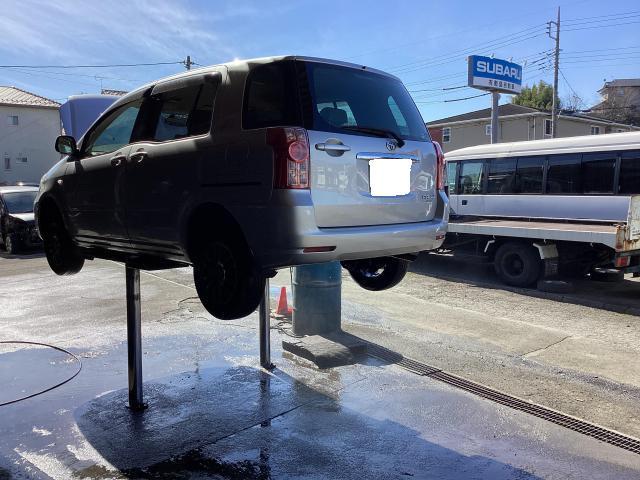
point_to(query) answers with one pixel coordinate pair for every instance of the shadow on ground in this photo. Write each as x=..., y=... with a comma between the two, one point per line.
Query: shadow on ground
x=243, y=423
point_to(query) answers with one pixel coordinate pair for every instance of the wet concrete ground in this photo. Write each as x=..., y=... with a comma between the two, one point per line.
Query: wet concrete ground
x=213, y=413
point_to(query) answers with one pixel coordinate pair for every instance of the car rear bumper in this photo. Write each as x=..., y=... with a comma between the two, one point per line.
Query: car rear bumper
x=280, y=236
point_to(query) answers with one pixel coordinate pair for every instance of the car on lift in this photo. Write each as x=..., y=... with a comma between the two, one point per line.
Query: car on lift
x=246, y=167
x=17, y=224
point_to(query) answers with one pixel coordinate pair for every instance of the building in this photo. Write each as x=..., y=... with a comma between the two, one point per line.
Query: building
x=29, y=125
x=620, y=101
x=516, y=123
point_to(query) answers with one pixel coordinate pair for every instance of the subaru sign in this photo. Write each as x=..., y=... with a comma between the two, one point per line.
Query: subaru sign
x=495, y=75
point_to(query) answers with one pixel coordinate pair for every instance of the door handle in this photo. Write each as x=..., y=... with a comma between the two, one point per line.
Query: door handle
x=138, y=157
x=464, y=202
x=332, y=147
x=117, y=160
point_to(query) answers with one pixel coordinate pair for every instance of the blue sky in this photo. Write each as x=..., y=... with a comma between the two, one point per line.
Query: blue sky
x=424, y=42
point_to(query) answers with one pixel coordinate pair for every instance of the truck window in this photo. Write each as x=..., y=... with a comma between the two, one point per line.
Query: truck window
x=471, y=178
x=451, y=176
x=630, y=172
x=598, y=170
x=502, y=176
x=530, y=171
x=563, y=175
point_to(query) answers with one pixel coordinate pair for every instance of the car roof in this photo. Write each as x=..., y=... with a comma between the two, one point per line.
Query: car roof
x=17, y=188
x=245, y=64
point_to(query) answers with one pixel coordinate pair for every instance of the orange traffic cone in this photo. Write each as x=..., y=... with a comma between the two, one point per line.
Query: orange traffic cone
x=283, y=307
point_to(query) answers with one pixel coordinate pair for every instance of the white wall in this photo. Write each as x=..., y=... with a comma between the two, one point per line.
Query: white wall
x=33, y=138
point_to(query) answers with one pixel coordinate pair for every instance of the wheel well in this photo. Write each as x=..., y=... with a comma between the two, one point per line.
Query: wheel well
x=211, y=221
x=47, y=207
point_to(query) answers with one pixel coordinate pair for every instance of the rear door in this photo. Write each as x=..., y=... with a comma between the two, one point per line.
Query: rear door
x=357, y=177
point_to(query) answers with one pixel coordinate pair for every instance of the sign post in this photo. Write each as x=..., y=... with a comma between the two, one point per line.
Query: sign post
x=496, y=76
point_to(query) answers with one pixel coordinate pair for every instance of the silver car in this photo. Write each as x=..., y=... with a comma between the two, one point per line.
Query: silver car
x=245, y=167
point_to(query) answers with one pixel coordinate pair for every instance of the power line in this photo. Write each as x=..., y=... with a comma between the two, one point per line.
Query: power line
x=95, y=66
x=601, y=17
x=600, y=26
x=438, y=89
x=456, y=99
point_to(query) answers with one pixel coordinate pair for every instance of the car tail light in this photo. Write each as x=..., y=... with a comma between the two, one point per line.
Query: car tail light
x=290, y=157
x=622, y=261
x=439, y=167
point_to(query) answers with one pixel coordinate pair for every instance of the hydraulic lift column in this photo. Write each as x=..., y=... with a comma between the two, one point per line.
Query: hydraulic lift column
x=265, y=330
x=134, y=339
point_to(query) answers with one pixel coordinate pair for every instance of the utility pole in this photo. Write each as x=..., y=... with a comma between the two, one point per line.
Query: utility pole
x=187, y=62
x=495, y=126
x=556, y=68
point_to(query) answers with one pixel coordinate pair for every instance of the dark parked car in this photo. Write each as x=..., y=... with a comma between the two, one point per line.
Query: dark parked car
x=242, y=168
x=17, y=225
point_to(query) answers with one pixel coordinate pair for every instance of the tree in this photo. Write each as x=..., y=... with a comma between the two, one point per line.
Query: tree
x=618, y=109
x=537, y=96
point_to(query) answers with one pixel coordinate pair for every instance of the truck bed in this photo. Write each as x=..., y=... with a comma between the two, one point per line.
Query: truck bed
x=612, y=235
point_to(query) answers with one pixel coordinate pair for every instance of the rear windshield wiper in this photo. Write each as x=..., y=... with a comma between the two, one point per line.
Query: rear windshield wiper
x=381, y=132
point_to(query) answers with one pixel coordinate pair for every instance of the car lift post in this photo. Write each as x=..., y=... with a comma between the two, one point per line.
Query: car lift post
x=265, y=330
x=134, y=339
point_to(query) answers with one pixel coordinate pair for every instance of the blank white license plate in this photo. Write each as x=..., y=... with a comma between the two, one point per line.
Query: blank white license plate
x=390, y=177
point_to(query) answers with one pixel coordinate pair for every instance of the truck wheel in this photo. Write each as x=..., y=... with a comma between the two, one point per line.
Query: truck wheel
x=12, y=244
x=517, y=264
x=610, y=275
x=377, y=274
x=228, y=284
x=63, y=256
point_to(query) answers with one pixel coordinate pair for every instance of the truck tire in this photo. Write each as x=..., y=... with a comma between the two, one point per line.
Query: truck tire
x=228, y=284
x=63, y=256
x=609, y=275
x=517, y=264
x=377, y=274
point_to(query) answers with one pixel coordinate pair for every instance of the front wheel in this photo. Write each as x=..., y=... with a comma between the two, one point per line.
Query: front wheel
x=12, y=244
x=228, y=284
x=63, y=256
x=377, y=274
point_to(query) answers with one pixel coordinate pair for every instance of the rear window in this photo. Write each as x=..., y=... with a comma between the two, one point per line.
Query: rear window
x=343, y=96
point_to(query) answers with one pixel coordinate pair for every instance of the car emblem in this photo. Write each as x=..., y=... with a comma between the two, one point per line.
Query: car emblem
x=391, y=145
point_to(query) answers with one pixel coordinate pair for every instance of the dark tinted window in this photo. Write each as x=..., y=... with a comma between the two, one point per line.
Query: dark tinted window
x=502, y=176
x=271, y=97
x=113, y=131
x=598, y=170
x=471, y=178
x=563, y=175
x=347, y=97
x=20, y=202
x=183, y=113
x=630, y=172
x=530, y=170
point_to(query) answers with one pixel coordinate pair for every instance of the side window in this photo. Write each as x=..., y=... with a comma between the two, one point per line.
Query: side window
x=630, y=172
x=530, y=173
x=451, y=176
x=471, y=178
x=502, y=176
x=598, y=170
x=270, y=97
x=184, y=112
x=563, y=175
x=114, y=131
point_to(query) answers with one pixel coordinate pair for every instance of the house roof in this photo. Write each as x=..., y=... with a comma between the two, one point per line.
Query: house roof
x=503, y=111
x=17, y=96
x=621, y=82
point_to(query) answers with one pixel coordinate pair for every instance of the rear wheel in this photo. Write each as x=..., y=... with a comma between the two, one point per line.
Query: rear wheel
x=377, y=273
x=63, y=256
x=610, y=275
x=517, y=264
x=12, y=244
x=228, y=284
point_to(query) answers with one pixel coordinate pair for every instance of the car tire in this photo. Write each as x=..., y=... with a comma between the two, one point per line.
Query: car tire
x=377, y=274
x=227, y=282
x=63, y=256
x=12, y=244
x=517, y=264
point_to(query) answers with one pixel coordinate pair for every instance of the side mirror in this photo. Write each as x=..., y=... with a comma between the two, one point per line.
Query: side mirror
x=66, y=145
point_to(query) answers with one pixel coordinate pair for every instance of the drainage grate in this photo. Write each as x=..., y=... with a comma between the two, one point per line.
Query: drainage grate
x=600, y=433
